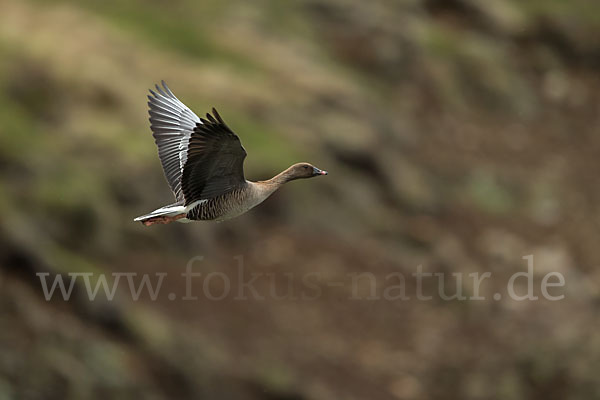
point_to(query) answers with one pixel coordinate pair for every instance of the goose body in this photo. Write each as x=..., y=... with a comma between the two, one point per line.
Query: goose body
x=230, y=204
x=203, y=162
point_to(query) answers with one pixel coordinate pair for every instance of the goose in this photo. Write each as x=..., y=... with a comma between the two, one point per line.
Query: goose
x=203, y=162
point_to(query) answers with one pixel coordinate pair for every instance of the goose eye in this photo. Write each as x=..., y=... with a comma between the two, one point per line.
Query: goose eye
x=305, y=167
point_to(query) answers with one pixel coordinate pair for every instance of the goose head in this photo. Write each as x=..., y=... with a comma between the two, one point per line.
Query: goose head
x=304, y=170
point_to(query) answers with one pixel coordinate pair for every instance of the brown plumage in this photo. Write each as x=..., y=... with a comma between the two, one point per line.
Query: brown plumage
x=203, y=161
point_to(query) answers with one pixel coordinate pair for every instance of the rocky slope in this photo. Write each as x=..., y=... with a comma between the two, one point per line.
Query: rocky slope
x=459, y=135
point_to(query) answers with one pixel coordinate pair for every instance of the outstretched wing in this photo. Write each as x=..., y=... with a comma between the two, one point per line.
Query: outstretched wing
x=215, y=160
x=172, y=125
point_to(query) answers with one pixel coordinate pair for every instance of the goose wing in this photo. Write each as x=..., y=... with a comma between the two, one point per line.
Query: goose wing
x=172, y=125
x=215, y=160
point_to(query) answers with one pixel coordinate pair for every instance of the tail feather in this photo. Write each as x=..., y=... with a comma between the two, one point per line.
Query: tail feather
x=168, y=211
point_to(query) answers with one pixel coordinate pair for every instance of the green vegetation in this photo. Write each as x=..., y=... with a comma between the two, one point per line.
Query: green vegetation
x=458, y=135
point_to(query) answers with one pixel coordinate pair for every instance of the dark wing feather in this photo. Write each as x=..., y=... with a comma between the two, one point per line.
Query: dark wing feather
x=172, y=125
x=215, y=160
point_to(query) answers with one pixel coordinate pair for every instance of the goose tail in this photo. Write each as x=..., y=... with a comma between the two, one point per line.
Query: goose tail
x=163, y=215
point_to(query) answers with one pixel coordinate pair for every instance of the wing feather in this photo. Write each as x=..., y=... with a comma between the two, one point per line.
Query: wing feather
x=215, y=160
x=172, y=124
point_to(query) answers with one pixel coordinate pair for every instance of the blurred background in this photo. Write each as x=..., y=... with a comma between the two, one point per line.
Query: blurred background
x=460, y=135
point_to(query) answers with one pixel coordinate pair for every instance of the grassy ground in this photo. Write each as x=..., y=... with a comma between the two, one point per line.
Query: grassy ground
x=458, y=135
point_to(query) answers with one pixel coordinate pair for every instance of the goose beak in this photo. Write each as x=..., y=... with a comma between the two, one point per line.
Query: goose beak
x=317, y=171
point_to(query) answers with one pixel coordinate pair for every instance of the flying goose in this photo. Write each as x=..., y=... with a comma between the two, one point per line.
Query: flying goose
x=203, y=161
